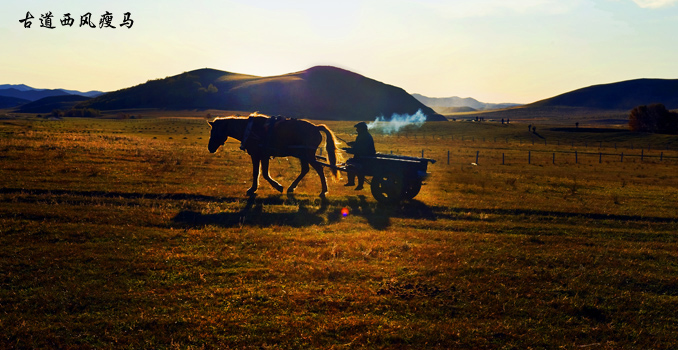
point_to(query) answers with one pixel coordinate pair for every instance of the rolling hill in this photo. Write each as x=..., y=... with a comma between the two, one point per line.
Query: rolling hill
x=9, y=102
x=48, y=104
x=321, y=92
x=623, y=95
x=597, y=104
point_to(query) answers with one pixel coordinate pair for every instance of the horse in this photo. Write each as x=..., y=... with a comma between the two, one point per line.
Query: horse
x=263, y=137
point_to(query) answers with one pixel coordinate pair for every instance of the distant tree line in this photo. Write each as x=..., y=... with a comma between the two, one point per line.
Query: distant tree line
x=653, y=118
x=77, y=113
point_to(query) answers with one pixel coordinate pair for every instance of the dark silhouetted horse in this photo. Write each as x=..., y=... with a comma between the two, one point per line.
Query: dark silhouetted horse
x=264, y=137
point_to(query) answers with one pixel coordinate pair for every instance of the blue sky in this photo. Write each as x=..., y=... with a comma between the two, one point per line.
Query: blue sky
x=492, y=50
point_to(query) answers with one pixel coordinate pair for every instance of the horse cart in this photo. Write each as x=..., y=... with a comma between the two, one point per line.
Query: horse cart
x=394, y=178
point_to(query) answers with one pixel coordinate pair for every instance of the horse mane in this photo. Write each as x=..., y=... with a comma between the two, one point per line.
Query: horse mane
x=237, y=116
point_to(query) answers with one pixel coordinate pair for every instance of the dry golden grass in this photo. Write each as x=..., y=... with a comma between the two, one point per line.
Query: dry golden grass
x=129, y=234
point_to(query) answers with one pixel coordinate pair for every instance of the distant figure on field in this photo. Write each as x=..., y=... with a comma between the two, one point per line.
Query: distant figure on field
x=363, y=146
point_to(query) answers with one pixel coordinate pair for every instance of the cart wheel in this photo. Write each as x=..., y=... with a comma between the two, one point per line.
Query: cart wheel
x=412, y=189
x=387, y=188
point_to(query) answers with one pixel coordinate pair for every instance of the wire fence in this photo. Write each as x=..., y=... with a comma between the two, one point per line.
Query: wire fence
x=487, y=154
x=539, y=141
x=517, y=150
x=554, y=157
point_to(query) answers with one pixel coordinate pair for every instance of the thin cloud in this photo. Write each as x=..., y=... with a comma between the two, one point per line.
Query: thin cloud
x=655, y=4
x=484, y=8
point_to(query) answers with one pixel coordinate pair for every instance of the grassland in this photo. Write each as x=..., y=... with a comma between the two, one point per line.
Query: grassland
x=129, y=234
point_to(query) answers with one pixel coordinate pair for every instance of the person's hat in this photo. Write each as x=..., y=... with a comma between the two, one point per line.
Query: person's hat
x=361, y=125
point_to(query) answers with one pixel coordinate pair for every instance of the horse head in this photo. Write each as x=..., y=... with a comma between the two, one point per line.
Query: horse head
x=218, y=135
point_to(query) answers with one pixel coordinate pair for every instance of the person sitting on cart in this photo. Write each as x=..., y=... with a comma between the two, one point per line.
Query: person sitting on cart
x=363, y=146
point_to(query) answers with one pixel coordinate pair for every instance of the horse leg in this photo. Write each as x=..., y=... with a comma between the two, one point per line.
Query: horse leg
x=267, y=176
x=304, y=171
x=319, y=169
x=255, y=176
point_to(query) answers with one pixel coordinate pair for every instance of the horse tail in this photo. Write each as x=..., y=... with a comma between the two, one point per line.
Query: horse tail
x=331, y=147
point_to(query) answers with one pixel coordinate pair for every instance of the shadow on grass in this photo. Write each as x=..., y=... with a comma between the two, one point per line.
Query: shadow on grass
x=278, y=210
x=255, y=213
x=261, y=212
x=379, y=215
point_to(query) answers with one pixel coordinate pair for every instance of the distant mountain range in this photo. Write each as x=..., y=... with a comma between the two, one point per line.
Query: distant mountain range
x=20, y=94
x=331, y=93
x=459, y=104
x=32, y=94
x=321, y=92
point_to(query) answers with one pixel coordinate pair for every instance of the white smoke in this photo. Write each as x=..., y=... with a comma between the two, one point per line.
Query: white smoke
x=397, y=122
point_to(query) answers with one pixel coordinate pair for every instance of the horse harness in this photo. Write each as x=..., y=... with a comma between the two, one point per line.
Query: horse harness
x=248, y=130
x=264, y=134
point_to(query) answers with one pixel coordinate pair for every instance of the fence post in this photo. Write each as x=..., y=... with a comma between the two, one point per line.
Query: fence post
x=502, y=159
x=554, y=157
x=422, y=153
x=576, y=160
x=448, y=157
x=529, y=157
x=600, y=159
x=641, y=155
x=622, y=157
x=477, y=152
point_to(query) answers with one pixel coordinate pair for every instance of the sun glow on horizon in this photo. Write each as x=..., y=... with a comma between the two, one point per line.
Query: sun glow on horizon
x=492, y=50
